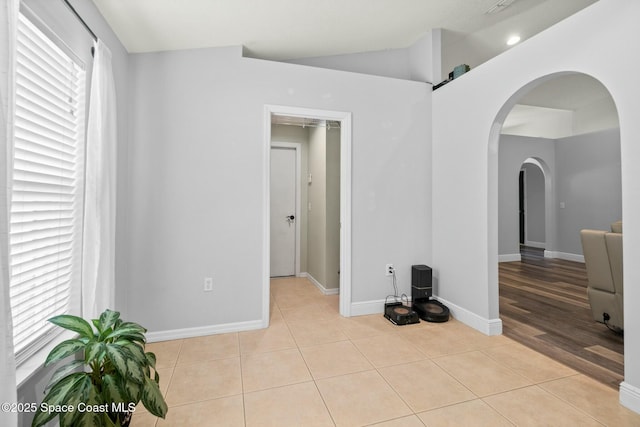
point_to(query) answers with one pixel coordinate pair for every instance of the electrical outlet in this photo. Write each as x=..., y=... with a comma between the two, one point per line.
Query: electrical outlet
x=388, y=270
x=208, y=284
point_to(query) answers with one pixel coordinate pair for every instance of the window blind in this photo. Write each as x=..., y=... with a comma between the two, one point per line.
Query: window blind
x=46, y=205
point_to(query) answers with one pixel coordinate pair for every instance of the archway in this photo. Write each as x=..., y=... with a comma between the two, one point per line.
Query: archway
x=562, y=177
x=534, y=209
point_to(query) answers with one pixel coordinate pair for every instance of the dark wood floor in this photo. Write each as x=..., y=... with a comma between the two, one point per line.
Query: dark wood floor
x=544, y=305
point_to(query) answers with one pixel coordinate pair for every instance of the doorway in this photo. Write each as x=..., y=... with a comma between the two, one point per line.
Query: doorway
x=342, y=219
x=532, y=209
x=543, y=301
x=521, y=207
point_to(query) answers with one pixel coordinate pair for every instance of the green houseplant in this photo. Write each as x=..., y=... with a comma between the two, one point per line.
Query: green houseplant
x=109, y=376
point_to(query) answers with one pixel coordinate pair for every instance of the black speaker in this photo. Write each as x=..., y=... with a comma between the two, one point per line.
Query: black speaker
x=421, y=282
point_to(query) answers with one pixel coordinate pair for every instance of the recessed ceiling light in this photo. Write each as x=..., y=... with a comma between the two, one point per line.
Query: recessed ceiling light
x=513, y=40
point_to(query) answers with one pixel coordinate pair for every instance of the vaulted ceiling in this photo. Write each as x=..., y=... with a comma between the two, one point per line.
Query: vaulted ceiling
x=293, y=29
x=288, y=29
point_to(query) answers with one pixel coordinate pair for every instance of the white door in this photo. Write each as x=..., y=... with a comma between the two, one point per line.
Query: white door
x=283, y=209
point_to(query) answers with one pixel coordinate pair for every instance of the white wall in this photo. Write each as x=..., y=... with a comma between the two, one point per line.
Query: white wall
x=387, y=63
x=411, y=63
x=595, y=116
x=589, y=176
x=481, y=100
x=317, y=231
x=196, y=199
x=333, y=209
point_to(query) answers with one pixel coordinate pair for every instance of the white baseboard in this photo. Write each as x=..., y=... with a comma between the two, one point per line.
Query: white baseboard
x=547, y=254
x=325, y=291
x=564, y=255
x=367, y=307
x=630, y=396
x=509, y=257
x=539, y=245
x=199, y=331
x=486, y=326
x=371, y=307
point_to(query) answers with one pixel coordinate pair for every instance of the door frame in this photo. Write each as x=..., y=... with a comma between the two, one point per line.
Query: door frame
x=345, y=200
x=298, y=149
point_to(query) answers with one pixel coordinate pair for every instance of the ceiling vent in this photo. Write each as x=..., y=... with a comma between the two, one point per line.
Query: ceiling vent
x=499, y=6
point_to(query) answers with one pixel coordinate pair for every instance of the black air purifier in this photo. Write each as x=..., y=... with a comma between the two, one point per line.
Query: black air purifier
x=427, y=308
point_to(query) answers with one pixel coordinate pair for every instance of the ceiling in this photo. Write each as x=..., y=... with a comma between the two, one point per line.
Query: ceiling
x=293, y=29
x=568, y=92
x=290, y=29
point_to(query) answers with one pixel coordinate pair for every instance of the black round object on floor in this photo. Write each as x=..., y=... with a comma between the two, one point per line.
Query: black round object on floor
x=432, y=310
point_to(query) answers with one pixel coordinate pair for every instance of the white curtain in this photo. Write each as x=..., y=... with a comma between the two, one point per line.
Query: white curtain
x=8, y=31
x=98, y=269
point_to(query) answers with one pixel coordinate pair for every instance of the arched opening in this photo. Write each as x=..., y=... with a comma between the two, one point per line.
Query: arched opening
x=566, y=126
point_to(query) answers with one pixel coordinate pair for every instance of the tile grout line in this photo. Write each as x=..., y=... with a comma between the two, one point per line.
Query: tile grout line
x=173, y=371
x=244, y=405
x=566, y=401
x=543, y=390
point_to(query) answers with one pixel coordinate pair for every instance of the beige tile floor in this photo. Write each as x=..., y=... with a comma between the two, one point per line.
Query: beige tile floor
x=312, y=367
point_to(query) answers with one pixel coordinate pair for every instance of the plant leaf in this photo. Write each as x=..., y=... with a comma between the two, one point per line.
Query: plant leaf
x=91, y=417
x=135, y=337
x=152, y=398
x=104, y=334
x=133, y=390
x=97, y=325
x=41, y=418
x=108, y=318
x=73, y=323
x=63, y=371
x=151, y=359
x=135, y=371
x=64, y=349
x=65, y=391
x=127, y=329
x=132, y=325
x=80, y=392
x=94, y=351
x=135, y=349
x=58, y=392
x=112, y=389
x=118, y=357
x=108, y=422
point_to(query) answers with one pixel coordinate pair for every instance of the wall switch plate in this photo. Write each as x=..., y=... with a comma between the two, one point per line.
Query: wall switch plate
x=208, y=284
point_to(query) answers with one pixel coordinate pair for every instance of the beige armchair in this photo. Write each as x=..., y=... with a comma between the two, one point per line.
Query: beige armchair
x=603, y=259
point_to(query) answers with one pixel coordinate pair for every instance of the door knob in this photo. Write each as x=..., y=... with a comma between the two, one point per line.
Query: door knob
x=290, y=217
